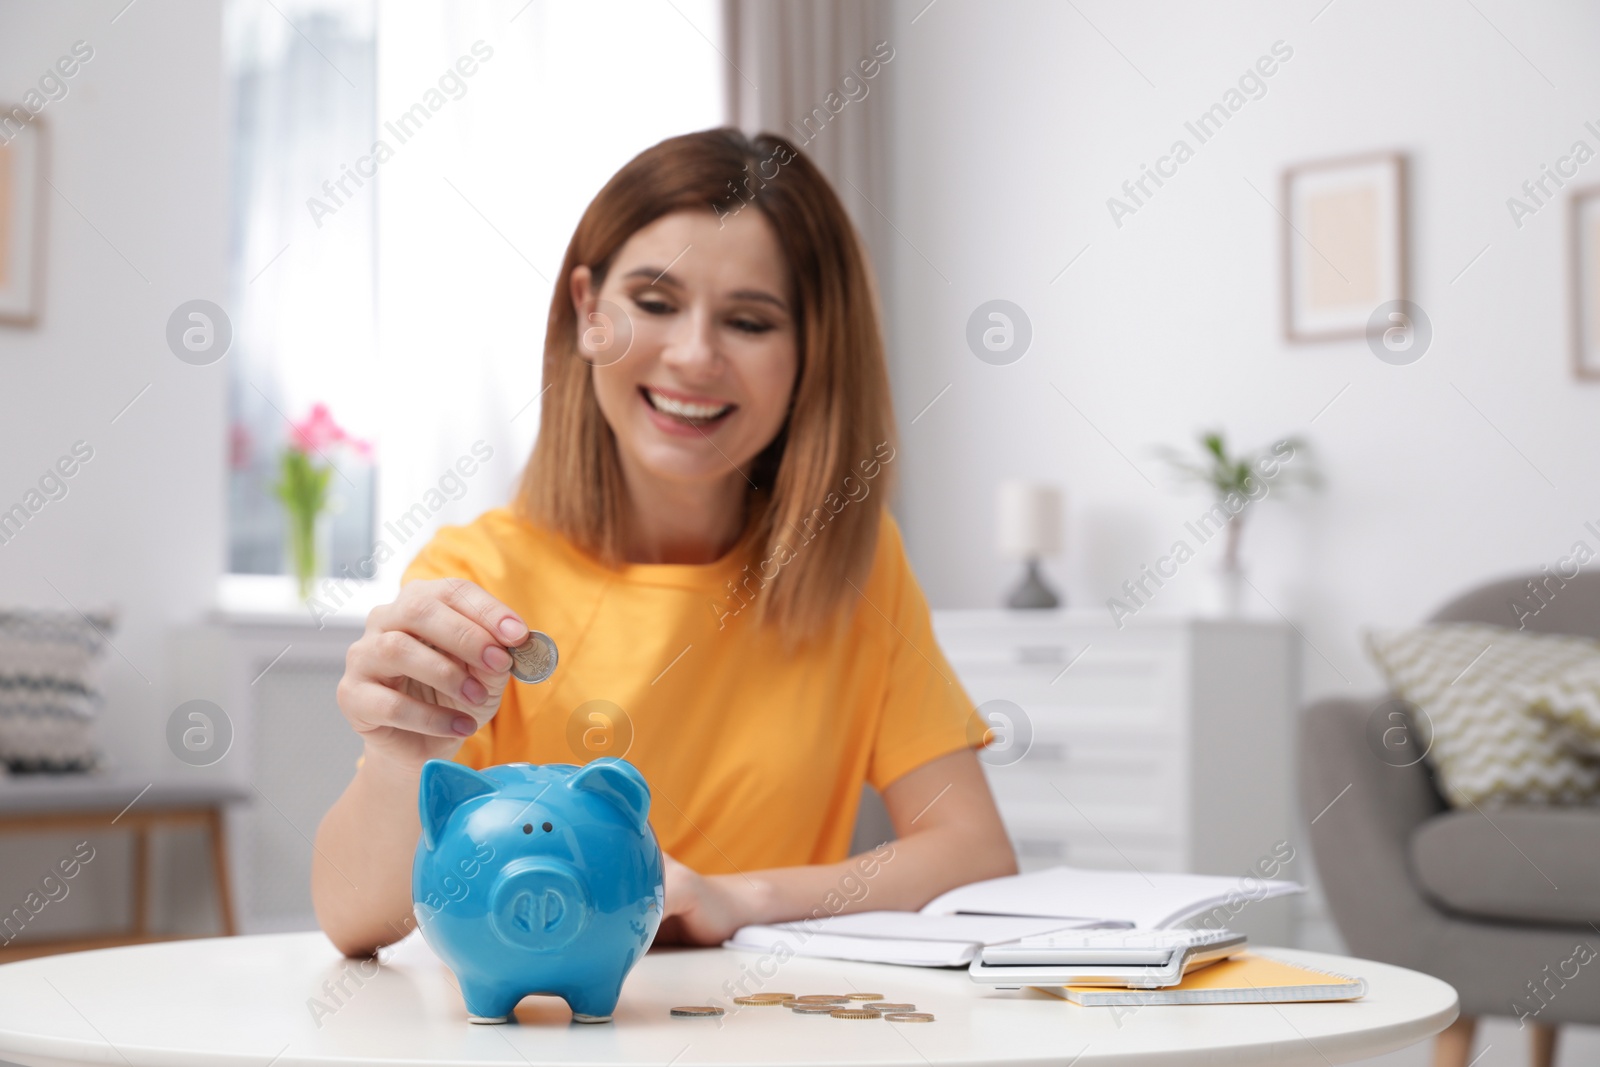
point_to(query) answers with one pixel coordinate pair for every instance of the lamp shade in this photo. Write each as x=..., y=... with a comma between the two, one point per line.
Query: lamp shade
x=1029, y=523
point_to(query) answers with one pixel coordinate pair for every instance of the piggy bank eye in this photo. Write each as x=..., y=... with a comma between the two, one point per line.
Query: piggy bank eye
x=547, y=827
x=527, y=827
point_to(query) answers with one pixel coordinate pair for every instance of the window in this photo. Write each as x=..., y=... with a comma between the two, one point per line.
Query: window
x=413, y=302
x=303, y=80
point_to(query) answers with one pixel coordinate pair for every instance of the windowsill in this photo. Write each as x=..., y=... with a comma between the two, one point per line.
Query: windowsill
x=274, y=600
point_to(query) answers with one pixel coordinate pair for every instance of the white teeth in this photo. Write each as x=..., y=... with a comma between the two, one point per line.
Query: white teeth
x=683, y=409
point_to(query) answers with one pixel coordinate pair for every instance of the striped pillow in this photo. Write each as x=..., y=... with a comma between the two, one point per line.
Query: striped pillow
x=47, y=696
x=1570, y=702
x=1472, y=682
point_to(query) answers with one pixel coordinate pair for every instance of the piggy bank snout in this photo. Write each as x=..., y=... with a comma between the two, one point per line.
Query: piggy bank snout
x=538, y=905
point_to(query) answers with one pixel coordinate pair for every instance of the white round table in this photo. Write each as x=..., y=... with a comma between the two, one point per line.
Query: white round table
x=276, y=1000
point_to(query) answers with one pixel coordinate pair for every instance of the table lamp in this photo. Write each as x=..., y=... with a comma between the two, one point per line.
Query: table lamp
x=1030, y=527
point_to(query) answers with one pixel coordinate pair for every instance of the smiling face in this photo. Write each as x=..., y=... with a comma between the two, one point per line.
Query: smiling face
x=737, y=334
x=706, y=381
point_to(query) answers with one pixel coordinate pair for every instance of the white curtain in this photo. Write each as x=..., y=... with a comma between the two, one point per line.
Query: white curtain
x=302, y=285
x=477, y=204
x=796, y=70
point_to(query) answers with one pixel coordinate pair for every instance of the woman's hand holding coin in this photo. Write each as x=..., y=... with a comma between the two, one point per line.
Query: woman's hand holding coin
x=430, y=669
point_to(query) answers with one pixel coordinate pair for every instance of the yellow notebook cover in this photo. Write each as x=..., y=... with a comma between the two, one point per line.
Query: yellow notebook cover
x=1244, y=979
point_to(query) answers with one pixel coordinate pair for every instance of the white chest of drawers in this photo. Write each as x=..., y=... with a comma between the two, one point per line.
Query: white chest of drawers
x=1162, y=746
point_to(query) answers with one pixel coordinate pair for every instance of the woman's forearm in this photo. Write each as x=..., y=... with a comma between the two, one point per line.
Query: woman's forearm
x=901, y=875
x=361, y=866
x=961, y=839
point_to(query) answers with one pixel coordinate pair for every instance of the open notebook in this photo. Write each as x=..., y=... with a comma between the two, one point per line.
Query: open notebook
x=951, y=928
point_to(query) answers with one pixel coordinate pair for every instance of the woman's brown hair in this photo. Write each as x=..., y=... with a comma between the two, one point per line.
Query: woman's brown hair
x=840, y=427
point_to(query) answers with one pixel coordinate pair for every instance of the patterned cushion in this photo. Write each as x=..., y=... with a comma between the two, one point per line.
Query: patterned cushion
x=1570, y=702
x=47, y=697
x=1471, y=681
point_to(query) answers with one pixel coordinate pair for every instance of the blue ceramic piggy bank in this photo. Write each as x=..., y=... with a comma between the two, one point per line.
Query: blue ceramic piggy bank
x=537, y=879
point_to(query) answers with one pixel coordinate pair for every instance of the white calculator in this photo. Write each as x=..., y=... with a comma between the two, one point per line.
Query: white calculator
x=1133, y=959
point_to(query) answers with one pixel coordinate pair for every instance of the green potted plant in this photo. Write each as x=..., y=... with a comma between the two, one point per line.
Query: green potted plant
x=1235, y=480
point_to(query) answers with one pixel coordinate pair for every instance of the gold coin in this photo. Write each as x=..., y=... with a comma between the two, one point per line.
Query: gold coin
x=697, y=1010
x=855, y=1013
x=884, y=1005
x=821, y=998
x=764, y=999
x=535, y=659
x=909, y=1016
x=814, y=1009
x=865, y=996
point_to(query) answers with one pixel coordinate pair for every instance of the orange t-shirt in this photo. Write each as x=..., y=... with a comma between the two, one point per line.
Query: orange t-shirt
x=755, y=756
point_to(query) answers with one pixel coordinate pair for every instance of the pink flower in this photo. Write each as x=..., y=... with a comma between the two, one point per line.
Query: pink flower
x=318, y=432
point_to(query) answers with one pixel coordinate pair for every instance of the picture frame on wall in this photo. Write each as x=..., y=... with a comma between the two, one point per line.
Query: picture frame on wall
x=1583, y=252
x=1344, y=244
x=22, y=186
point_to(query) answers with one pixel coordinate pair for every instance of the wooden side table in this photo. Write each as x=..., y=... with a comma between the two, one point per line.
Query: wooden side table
x=54, y=803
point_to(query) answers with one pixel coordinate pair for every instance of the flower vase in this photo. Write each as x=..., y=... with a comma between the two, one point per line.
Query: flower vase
x=1232, y=591
x=1231, y=584
x=308, y=544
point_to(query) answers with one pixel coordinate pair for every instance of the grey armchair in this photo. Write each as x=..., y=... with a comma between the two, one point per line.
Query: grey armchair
x=1504, y=904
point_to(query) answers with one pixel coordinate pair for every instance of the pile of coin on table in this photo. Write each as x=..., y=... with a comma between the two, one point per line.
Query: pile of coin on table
x=837, y=1006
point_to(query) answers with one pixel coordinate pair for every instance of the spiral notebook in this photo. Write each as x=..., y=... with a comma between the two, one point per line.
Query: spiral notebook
x=1248, y=978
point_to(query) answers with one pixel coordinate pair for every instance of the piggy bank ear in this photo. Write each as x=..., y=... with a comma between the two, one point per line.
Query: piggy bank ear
x=619, y=782
x=446, y=785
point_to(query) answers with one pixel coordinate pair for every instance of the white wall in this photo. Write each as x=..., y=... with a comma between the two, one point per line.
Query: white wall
x=1014, y=123
x=137, y=147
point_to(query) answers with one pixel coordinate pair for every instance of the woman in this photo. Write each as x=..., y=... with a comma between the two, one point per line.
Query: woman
x=701, y=530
